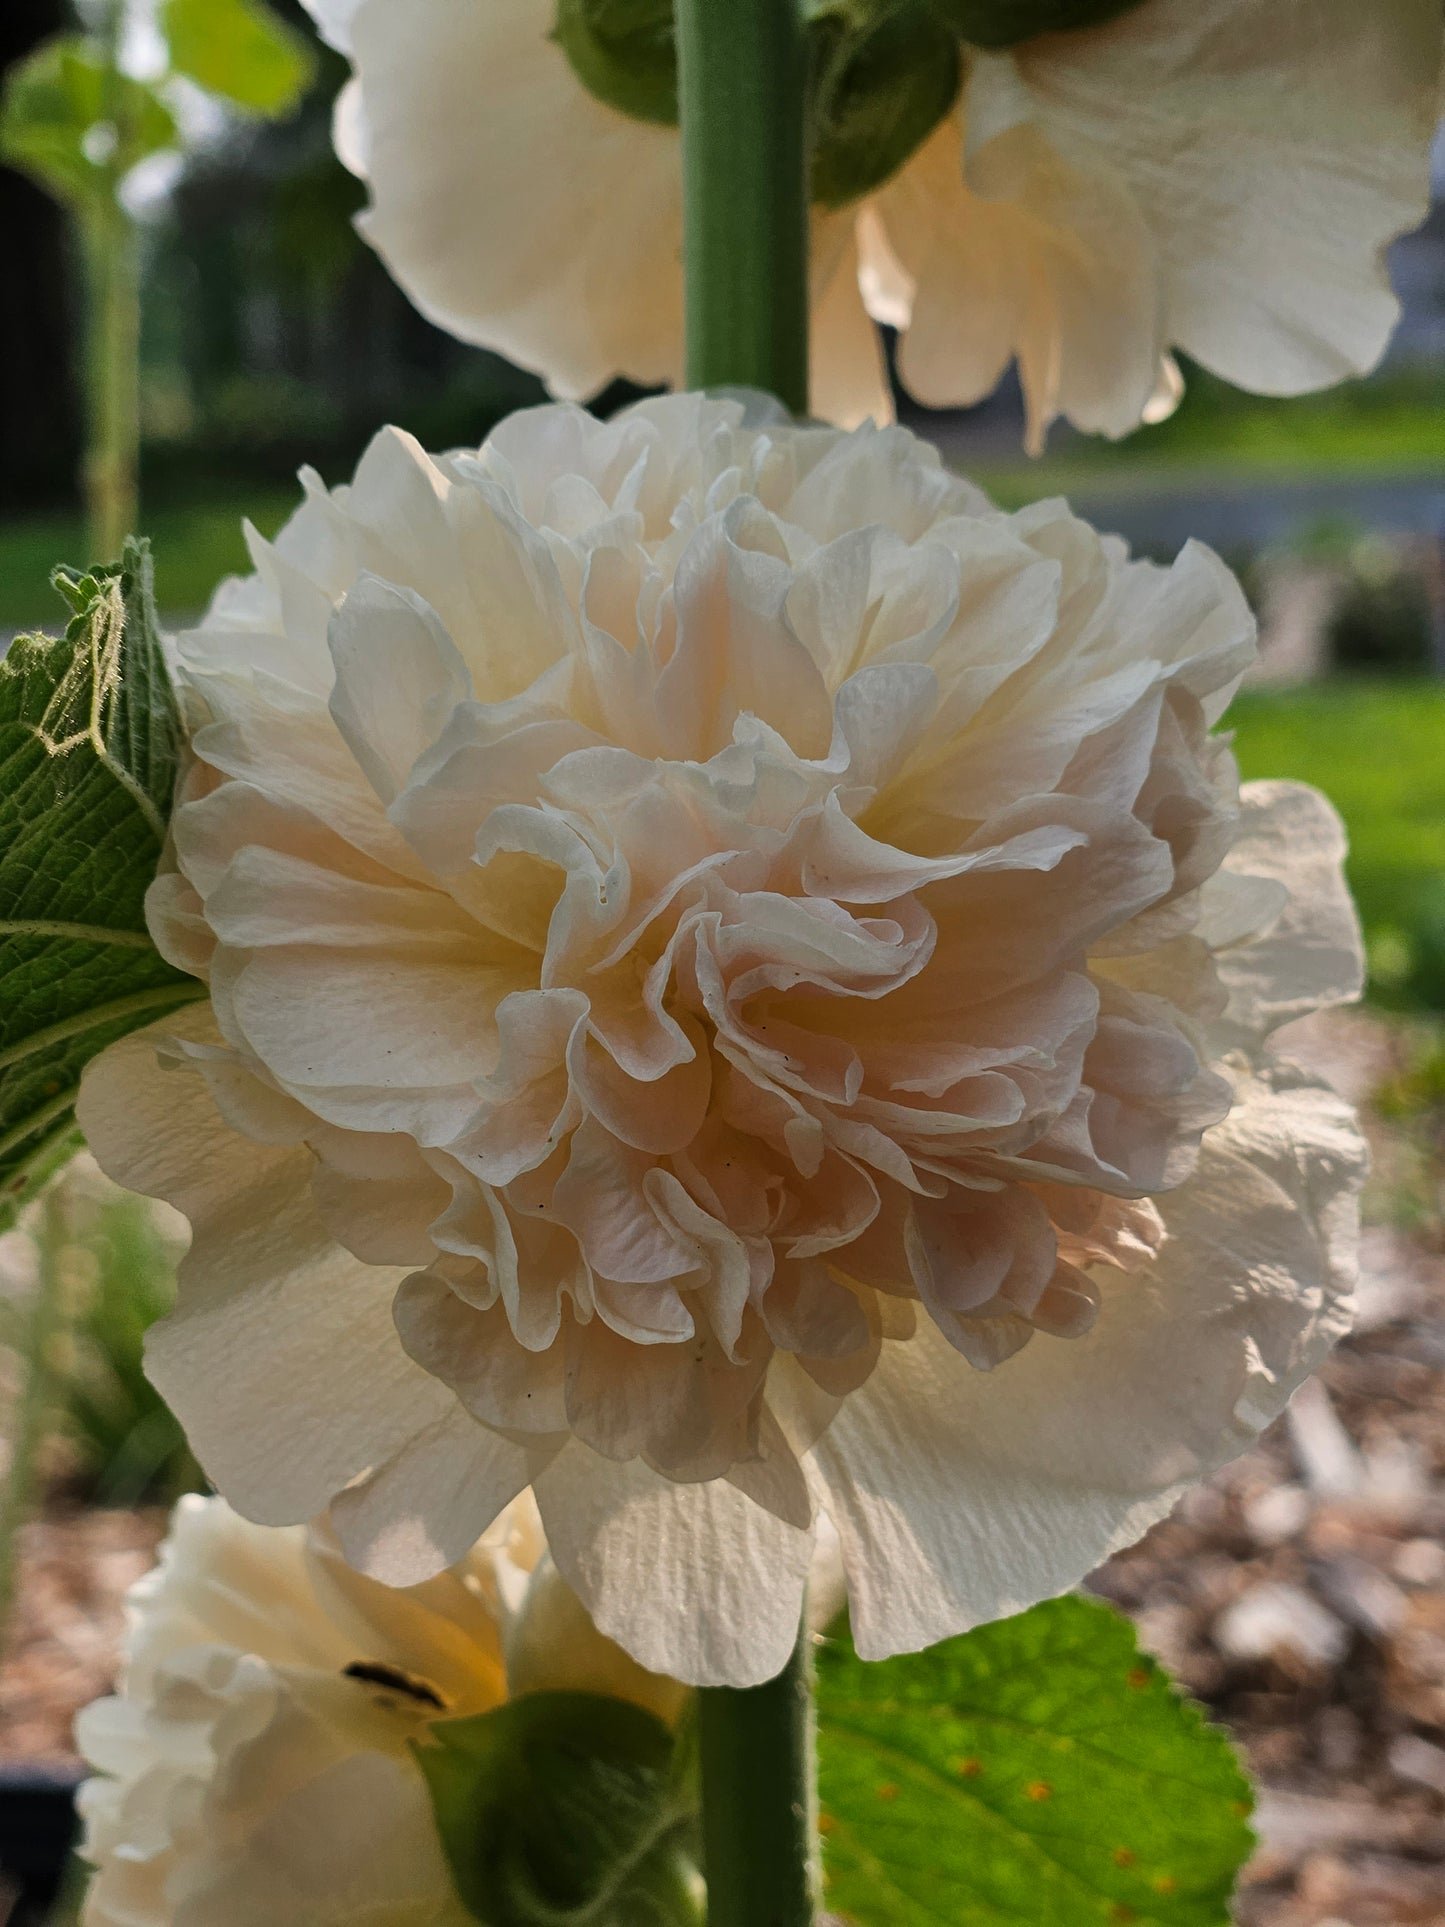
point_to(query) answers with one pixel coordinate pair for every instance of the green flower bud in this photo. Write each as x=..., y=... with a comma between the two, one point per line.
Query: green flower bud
x=885, y=74
x=882, y=87
x=1004, y=23
x=624, y=52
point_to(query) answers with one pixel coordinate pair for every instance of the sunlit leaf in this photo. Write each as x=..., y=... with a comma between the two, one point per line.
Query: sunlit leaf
x=75, y=126
x=240, y=50
x=1040, y=1770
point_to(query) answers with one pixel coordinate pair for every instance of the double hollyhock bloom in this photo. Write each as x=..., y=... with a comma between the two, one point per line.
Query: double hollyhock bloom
x=257, y=1764
x=737, y=982
x=1220, y=178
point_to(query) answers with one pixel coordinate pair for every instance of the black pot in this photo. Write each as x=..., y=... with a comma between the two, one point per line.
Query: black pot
x=37, y=1830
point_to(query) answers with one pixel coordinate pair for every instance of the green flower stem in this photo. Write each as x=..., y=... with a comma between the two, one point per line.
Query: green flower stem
x=742, y=78
x=112, y=458
x=113, y=322
x=759, y=1806
x=742, y=73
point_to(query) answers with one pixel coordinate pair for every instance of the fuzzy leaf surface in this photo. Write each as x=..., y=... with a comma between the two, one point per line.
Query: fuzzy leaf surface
x=1040, y=1769
x=564, y=1810
x=89, y=744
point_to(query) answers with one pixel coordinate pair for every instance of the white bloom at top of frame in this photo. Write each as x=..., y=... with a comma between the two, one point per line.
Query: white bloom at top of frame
x=1221, y=179
x=738, y=981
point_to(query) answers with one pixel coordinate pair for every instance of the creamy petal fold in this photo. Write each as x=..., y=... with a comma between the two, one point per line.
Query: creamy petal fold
x=741, y=1571
x=1308, y=954
x=961, y=1498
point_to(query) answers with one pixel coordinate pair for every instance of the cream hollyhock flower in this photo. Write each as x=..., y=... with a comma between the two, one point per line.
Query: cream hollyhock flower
x=256, y=1765
x=1220, y=178
x=723, y=951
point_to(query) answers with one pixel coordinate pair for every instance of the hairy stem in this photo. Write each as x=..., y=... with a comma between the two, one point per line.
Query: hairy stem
x=759, y=1822
x=113, y=318
x=742, y=97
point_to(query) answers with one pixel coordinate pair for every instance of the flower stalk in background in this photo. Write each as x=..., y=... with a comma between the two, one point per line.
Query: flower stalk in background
x=81, y=115
x=1220, y=179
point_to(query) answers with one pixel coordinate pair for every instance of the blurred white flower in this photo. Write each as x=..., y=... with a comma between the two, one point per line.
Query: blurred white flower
x=1218, y=178
x=723, y=950
x=256, y=1764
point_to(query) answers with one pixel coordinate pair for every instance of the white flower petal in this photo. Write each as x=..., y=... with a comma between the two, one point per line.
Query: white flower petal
x=281, y=1359
x=703, y=911
x=850, y=371
x=1309, y=954
x=962, y=1497
x=741, y=1572
x=426, y=1507
x=572, y=267
x=1276, y=149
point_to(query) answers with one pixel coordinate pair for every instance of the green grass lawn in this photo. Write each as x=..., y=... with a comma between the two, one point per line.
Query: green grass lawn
x=195, y=545
x=1377, y=749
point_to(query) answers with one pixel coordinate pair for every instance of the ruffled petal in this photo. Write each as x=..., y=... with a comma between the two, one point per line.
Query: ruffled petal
x=961, y=1497
x=1275, y=147
x=429, y=1504
x=1280, y=916
x=1224, y=180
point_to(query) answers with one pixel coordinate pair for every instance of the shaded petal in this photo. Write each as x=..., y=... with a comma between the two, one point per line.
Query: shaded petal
x=427, y=1507
x=1275, y=147
x=281, y=1359
x=570, y=262
x=1307, y=955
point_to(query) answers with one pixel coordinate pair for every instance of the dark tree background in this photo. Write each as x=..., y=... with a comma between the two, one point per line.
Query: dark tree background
x=39, y=416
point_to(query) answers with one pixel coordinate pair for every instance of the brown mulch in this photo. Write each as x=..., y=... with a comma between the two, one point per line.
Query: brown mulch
x=1301, y=1594
x=68, y=1623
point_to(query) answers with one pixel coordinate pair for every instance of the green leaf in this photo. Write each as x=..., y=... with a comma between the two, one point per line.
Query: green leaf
x=1037, y=1770
x=75, y=126
x=1004, y=23
x=89, y=744
x=240, y=50
x=624, y=52
x=564, y=1810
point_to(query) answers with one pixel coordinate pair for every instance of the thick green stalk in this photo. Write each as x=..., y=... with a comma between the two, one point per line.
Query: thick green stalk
x=758, y=1802
x=113, y=320
x=743, y=104
x=742, y=97
x=112, y=457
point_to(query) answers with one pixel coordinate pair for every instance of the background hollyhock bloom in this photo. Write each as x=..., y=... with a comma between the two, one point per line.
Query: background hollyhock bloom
x=722, y=952
x=1219, y=178
x=256, y=1765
